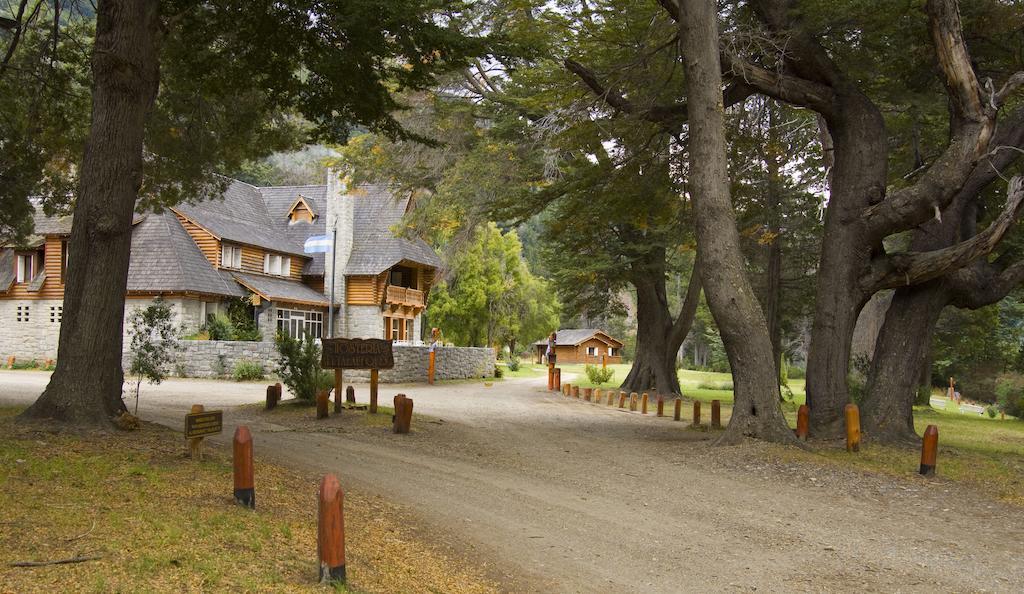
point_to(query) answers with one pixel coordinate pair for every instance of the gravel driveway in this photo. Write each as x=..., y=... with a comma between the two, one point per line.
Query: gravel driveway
x=561, y=495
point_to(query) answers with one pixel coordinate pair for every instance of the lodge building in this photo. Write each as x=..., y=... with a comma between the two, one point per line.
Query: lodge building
x=246, y=244
x=581, y=345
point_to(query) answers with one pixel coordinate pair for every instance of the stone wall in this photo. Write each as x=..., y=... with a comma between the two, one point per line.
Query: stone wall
x=210, y=358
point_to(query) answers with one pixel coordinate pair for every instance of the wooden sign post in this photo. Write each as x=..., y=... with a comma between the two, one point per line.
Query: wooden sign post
x=338, y=381
x=198, y=424
x=359, y=353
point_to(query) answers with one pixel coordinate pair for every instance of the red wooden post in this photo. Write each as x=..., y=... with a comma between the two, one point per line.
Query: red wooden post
x=321, y=404
x=271, y=397
x=195, y=445
x=716, y=414
x=643, y=404
x=350, y=394
x=622, y=399
x=280, y=391
x=337, y=390
x=558, y=378
x=402, y=421
x=431, y=368
x=929, y=450
x=632, y=401
x=241, y=448
x=803, y=422
x=661, y=405
x=852, y=427
x=551, y=377
x=696, y=413
x=611, y=397
x=588, y=394
x=679, y=409
x=330, y=541
x=575, y=391
x=604, y=361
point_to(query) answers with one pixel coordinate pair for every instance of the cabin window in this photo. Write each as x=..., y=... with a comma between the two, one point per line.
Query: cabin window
x=56, y=314
x=277, y=264
x=297, y=323
x=592, y=351
x=396, y=326
x=612, y=351
x=27, y=266
x=23, y=313
x=230, y=256
x=408, y=330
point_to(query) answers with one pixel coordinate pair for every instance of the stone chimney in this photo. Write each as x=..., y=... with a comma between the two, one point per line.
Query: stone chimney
x=340, y=214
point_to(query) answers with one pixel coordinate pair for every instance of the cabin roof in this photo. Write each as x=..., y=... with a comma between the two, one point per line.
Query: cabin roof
x=575, y=336
x=375, y=247
x=6, y=269
x=280, y=289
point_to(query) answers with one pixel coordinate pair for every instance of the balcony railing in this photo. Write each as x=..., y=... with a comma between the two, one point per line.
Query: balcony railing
x=404, y=296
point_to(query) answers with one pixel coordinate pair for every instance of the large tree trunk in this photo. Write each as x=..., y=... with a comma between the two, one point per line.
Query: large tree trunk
x=902, y=349
x=86, y=386
x=658, y=336
x=858, y=179
x=756, y=410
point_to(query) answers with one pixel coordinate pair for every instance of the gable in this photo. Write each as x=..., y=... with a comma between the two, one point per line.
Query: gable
x=301, y=210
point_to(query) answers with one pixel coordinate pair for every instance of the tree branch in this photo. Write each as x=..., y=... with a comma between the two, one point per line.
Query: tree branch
x=910, y=268
x=984, y=283
x=687, y=312
x=790, y=89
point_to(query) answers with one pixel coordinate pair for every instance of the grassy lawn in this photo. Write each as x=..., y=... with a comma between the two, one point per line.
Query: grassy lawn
x=161, y=523
x=525, y=370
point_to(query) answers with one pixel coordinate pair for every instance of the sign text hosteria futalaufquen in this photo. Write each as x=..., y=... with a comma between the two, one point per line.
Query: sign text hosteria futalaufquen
x=357, y=353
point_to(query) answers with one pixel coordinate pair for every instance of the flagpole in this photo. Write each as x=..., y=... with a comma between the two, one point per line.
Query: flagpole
x=334, y=265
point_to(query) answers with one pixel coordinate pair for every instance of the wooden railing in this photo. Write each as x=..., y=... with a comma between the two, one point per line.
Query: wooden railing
x=404, y=296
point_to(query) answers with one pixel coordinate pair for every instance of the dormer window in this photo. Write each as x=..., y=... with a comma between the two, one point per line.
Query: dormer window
x=230, y=256
x=301, y=211
x=26, y=267
x=277, y=264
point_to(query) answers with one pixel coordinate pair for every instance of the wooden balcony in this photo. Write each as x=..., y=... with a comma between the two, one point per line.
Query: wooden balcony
x=404, y=296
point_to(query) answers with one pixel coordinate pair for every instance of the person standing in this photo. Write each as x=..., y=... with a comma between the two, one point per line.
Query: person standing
x=551, y=350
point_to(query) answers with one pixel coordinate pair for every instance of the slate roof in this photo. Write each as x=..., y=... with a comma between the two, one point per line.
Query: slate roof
x=374, y=246
x=280, y=289
x=164, y=258
x=240, y=215
x=574, y=336
x=279, y=199
x=7, y=275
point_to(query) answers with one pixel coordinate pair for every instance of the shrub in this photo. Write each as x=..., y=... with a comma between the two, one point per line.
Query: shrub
x=991, y=412
x=33, y=364
x=498, y=373
x=513, y=364
x=1010, y=394
x=795, y=372
x=923, y=397
x=247, y=371
x=299, y=366
x=598, y=375
x=153, y=344
x=219, y=328
x=251, y=334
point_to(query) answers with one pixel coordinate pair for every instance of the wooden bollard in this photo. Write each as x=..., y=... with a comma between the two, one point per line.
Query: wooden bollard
x=575, y=391
x=716, y=414
x=622, y=400
x=280, y=391
x=852, y=427
x=271, y=397
x=678, y=409
x=10, y=362
x=321, y=404
x=551, y=378
x=661, y=405
x=330, y=531
x=611, y=397
x=350, y=394
x=565, y=389
x=597, y=395
x=431, y=367
x=696, y=413
x=632, y=401
x=241, y=448
x=803, y=422
x=643, y=404
x=929, y=450
x=588, y=394
x=558, y=378
x=402, y=420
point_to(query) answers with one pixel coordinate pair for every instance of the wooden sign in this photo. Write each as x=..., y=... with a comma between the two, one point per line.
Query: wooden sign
x=357, y=353
x=201, y=424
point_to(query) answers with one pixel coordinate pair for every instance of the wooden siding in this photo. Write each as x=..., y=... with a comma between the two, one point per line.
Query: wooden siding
x=252, y=261
x=301, y=212
x=361, y=290
x=208, y=244
x=315, y=282
x=52, y=287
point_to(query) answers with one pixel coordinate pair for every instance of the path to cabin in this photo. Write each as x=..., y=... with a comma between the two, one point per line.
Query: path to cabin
x=559, y=495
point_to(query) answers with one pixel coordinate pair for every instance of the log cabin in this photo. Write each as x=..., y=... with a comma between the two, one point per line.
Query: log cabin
x=245, y=243
x=581, y=345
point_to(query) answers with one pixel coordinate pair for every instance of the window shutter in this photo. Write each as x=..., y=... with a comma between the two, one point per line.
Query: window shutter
x=266, y=263
x=286, y=266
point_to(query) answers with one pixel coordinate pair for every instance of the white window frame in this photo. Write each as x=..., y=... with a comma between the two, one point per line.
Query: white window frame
x=611, y=351
x=230, y=256
x=297, y=322
x=591, y=351
x=25, y=267
x=277, y=264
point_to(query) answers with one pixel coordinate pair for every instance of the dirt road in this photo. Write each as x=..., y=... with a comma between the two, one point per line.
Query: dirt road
x=562, y=495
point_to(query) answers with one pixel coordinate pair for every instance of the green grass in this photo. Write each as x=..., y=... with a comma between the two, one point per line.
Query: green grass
x=525, y=370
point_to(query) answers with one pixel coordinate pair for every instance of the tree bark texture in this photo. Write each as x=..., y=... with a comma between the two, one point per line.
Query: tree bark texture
x=756, y=411
x=658, y=336
x=85, y=388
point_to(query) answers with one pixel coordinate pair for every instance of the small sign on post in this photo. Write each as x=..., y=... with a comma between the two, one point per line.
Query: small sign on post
x=198, y=424
x=359, y=353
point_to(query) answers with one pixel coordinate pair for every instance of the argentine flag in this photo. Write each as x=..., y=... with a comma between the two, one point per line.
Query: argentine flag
x=317, y=243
